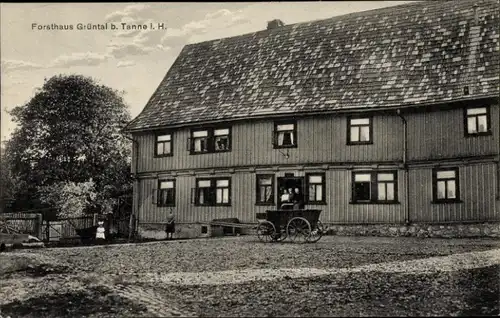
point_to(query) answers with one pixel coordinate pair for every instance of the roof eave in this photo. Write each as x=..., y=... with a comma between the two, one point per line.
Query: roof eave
x=316, y=113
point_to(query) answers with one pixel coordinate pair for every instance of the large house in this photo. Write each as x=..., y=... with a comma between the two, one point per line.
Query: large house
x=387, y=120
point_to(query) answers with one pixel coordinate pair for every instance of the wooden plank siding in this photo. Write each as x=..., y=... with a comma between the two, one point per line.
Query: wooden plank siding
x=322, y=143
x=431, y=135
x=441, y=134
x=320, y=139
x=477, y=193
x=243, y=195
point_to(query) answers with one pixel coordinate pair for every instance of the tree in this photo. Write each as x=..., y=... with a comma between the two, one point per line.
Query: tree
x=69, y=132
x=69, y=198
x=6, y=180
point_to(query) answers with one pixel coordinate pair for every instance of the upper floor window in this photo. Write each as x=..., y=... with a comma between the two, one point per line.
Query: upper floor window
x=315, y=188
x=285, y=134
x=359, y=131
x=166, y=193
x=210, y=140
x=212, y=191
x=477, y=121
x=374, y=187
x=446, y=185
x=221, y=139
x=265, y=189
x=163, y=145
x=200, y=141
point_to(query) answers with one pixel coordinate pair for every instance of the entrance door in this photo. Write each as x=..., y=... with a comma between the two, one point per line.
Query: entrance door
x=287, y=183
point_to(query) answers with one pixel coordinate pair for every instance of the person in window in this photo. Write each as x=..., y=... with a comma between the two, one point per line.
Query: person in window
x=298, y=200
x=291, y=197
x=170, y=228
x=285, y=197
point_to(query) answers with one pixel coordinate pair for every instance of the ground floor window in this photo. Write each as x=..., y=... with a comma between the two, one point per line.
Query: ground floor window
x=315, y=185
x=166, y=193
x=446, y=185
x=374, y=187
x=265, y=189
x=212, y=191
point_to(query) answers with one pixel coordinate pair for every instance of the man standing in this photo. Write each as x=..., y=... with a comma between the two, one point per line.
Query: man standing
x=298, y=200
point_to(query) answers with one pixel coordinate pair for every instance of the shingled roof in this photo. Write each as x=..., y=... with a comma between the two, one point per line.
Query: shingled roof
x=414, y=54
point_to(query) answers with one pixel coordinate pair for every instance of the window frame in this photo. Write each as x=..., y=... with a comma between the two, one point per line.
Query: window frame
x=276, y=132
x=210, y=139
x=370, y=127
x=323, y=184
x=488, y=131
x=160, y=134
x=257, y=189
x=159, y=190
x=435, y=185
x=213, y=190
x=374, y=187
x=229, y=137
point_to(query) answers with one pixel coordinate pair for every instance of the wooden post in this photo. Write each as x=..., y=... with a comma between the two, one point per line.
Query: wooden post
x=39, y=224
x=47, y=230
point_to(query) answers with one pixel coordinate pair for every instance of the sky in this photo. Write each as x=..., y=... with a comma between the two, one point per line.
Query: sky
x=133, y=61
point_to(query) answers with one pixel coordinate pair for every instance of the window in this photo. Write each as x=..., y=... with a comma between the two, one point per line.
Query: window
x=386, y=187
x=359, y=131
x=166, y=193
x=163, y=145
x=446, y=185
x=374, y=187
x=315, y=188
x=285, y=135
x=265, y=190
x=210, y=140
x=221, y=137
x=213, y=191
x=200, y=141
x=477, y=121
x=222, y=191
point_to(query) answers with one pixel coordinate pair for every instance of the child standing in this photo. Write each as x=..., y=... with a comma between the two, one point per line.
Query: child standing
x=100, y=236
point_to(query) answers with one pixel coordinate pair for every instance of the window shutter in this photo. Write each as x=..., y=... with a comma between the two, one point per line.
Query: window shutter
x=229, y=141
x=210, y=143
x=434, y=185
x=193, y=196
x=154, y=196
x=274, y=138
x=305, y=191
x=374, y=187
x=212, y=195
x=188, y=144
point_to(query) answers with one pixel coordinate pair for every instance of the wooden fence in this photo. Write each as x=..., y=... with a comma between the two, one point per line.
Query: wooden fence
x=27, y=223
x=65, y=228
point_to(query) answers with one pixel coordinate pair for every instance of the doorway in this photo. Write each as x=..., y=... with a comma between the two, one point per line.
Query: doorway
x=285, y=183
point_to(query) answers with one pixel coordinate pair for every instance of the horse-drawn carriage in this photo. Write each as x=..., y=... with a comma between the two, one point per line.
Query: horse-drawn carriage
x=301, y=226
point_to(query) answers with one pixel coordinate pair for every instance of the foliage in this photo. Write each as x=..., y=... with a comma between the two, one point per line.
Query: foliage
x=69, y=198
x=7, y=182
x=68, y=134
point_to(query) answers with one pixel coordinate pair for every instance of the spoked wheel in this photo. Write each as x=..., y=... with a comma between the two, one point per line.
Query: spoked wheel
x=266, y=231
x=298, y=230
x=280, y=236
x=317, y=233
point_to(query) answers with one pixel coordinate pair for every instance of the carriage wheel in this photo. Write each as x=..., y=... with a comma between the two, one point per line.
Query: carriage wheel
x=265, y=231
x=281, y=236
x=298, y=230
x=316, y=233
